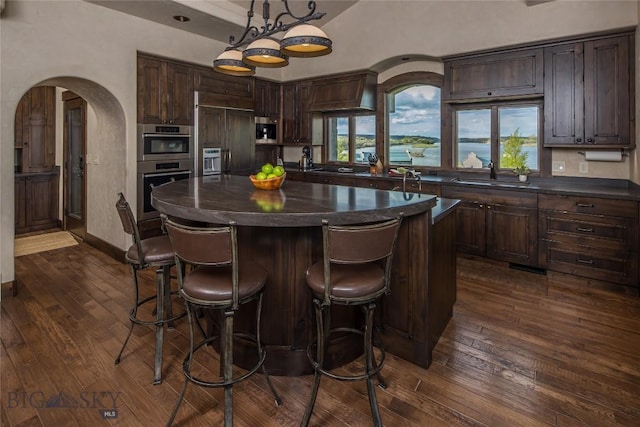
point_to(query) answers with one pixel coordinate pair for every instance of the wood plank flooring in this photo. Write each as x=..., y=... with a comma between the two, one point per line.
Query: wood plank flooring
x=522, y=349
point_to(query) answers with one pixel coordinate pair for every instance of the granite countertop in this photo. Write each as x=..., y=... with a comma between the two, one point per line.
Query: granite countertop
x=595, y=187
x=222, y=198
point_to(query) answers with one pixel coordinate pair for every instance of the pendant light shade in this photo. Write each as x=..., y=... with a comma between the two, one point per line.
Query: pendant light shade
x=265, y=53
x=305, y=41
x=230, y=62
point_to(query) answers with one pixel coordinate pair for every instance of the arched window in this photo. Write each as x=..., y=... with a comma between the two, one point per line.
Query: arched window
x=411, y=129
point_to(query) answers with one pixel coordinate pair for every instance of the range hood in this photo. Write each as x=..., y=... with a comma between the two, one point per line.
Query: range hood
x=354, y=91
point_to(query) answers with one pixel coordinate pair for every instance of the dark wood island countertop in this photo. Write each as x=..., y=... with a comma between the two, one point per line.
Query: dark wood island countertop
x=222, y=198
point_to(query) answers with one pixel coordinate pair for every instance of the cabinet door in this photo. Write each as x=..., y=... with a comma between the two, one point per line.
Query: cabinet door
x=512, y=234
x=267, y=99
x=208, y=80
x=563, y=95
x=37, y=108
x=515, y=73
x=20, y=204
x=470, y=228
x=151, y=98
x=179, y=98
x=289, y=113
x=42, y=201
x=241, y=140
x=607, y=91
x=305, y=117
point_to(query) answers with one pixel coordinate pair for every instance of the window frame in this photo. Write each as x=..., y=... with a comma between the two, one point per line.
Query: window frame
x=544, y=154
x=395, y=85
x=351, y=116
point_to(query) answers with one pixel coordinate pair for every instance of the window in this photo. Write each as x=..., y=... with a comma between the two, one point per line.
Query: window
x=414, y=123
x=350, y=138
x=498, y=133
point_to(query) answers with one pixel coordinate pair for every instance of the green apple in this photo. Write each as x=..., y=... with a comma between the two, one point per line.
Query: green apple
x=267, y=168
x=260, y=176
x=278, y=171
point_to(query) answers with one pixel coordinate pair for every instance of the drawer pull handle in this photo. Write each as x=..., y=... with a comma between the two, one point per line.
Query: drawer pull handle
x=584, y=261
x=585, y=205
x=585, y=230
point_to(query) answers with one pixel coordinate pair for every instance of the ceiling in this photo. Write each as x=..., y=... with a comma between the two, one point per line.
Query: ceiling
x=218, y=19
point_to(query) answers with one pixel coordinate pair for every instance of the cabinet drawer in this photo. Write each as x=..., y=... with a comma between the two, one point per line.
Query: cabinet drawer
x=593, y=230
x=612, y=266
x=501, y=197
x=589, y=205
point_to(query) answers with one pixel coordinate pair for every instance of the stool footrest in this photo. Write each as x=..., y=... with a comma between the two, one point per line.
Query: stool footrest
x=356, y=377
x=186, y=364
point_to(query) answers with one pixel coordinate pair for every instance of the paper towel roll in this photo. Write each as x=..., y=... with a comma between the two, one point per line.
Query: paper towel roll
x=603, y=156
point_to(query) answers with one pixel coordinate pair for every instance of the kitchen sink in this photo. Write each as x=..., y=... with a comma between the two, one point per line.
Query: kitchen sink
x=491, y=182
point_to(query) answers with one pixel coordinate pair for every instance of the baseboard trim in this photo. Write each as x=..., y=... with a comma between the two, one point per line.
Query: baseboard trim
x=105, y=247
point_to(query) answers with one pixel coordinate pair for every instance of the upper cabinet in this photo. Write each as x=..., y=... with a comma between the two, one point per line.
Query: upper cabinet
x=487, y=76
x=588, y=89
x=267, y=97
x=208, y=80
x=35, y=142
x=165, y=92
x=350, y=91
x=296, y=118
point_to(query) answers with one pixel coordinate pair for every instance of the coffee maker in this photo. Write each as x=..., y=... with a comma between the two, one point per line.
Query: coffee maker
x=306, y=162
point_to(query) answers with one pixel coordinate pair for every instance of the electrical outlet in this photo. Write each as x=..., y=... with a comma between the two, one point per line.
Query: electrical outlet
x=583, y=167
x=557, y=166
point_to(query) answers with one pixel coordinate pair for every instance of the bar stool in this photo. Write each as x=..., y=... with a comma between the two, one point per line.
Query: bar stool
x=143, y=253
x=216, y=280
x=355, y=271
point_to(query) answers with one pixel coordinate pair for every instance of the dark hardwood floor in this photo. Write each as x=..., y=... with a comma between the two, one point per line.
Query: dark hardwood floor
x=522, y=349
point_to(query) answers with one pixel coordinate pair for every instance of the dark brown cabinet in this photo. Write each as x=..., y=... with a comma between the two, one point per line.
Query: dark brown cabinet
x=296, y=118
x=486, y=76
x=165, y=92
x=34, y=142
x=267, y=97
x=497, y=224
x=208, y=80
x=36, y=201
x=587, y=96
x=590, y=237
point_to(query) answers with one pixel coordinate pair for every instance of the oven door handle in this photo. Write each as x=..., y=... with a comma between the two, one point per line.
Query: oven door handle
x=167, y=173
x=166, y=135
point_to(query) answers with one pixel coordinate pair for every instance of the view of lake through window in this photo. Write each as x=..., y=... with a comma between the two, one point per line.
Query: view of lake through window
x=414, y=130
x=518, y=136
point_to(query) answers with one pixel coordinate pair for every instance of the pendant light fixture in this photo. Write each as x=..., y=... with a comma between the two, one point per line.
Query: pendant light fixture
x=230, y=62
x=262, y=50
x=305, y=41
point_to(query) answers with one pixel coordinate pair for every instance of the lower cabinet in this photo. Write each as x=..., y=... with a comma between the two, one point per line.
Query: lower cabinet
x=496, y=224
x=590, y=237
x=36, y=201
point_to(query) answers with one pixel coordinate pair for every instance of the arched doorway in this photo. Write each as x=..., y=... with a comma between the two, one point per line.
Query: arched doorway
x=106, y=144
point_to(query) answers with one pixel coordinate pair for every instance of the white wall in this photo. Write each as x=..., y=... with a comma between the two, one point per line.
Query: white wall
x=92, y=51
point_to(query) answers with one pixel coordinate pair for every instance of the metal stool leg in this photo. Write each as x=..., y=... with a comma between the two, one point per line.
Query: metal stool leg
x=132, y=313
x=168, y=308
x=370, y=365
x=226, y=340
x=160, y=305
x=186, y=368
x=261, y=350
x=323, y=320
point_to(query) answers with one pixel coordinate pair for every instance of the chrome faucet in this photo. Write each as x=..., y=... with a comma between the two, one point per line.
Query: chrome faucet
x=415, y=175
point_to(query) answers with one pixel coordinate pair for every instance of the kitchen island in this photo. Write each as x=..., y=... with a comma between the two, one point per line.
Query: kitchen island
x=281, y=230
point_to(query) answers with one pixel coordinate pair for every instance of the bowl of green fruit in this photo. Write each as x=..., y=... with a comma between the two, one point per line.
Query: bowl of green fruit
x=269, y=177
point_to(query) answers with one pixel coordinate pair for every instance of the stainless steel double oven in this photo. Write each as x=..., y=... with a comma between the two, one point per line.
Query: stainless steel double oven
x=165, y=154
